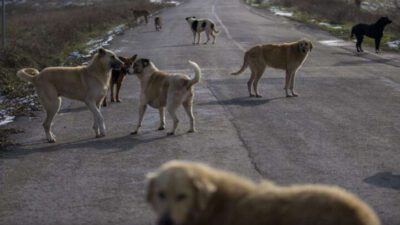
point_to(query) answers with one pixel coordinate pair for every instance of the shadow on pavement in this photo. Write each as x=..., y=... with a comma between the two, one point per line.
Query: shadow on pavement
x=385, y=180
x=242, y=101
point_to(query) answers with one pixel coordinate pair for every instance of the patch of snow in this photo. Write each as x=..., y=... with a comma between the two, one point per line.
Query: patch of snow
x=280, y=12
x=335, y=43
x=336, y=27
x=372, y=6
x=393, y=44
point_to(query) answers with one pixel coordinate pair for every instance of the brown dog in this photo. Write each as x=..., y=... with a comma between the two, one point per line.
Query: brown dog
x=88, y=84
x=117, y=76
x=287, y=56
x=160, y=89
x=185, y=193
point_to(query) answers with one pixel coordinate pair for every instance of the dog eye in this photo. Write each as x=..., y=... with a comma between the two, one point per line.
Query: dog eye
x=181, y=197
x=161, y=195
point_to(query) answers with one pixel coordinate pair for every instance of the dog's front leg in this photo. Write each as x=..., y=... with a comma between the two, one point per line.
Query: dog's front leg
x=142, y=110
x=294, y=94
x=194, y=37
x=162, y=118
x=377, y=45
x=198, y=38
x=98, y=119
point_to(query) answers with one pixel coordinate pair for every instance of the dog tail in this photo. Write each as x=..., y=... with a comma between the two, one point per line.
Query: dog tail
x=244, y=66
x=197, y=74
x=213, y=28
x=352, y=33
x=28, y=74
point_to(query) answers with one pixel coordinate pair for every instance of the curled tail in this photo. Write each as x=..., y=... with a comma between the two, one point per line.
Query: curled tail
x=213, y=28
x=244, y=66
x=197, y=74
x=28, y=74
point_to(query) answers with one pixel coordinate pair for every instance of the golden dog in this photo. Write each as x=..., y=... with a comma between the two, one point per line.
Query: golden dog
x=160, y=89
x=88, y=84
x=287, y=56
x=185, y=193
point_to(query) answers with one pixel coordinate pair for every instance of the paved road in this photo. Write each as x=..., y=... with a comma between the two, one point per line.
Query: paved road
x=343, y=129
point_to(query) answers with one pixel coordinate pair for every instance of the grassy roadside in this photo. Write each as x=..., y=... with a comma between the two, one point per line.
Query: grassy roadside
x=45, y=37
x=337, y=17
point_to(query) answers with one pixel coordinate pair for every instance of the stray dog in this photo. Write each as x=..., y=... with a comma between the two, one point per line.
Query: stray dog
x=185, y=193
x=88, y=84
x=160, y=89
x=374, y=31
x=158, y=23
x=139, y=13
x=117, y=76
x=200, y=25
x=286, y=56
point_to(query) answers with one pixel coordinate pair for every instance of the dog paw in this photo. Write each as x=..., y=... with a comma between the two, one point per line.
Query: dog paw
x=258, y=96
x=100, y=135
x=251, y=96
x=170, y=133
x=134, y=132
x=119, y=100
x=161, y=128
x=53, y=140
x=191, y=131
x=288, y=96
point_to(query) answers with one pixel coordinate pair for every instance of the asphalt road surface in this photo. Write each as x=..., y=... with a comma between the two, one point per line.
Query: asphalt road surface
x=342, y=130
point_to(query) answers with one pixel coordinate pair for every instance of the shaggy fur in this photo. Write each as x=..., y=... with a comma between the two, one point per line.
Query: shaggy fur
x=199, y=25
x=160, y=89
x=88, y=84
x=374, y=31
x=185, y=193
x=287, y=56
x=117, y=77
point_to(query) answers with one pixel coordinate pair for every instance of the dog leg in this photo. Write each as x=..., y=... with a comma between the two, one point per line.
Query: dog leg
x=213, y=36
x=208, y=37
x=52, y=107
x=292, y=84
x=98, y=118
x=377, y=45
x=173, y=103
x=194, y=37
x=112, y=92
x=198, y=38
x=287, y=83
x=188, y=105
x=142, y=110
x=162, y=118
x=250, y=83
x=359, y=43
x=119, y=84
x=255, y=83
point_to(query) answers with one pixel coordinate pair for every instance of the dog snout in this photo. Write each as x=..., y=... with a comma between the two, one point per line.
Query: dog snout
x=165, y=220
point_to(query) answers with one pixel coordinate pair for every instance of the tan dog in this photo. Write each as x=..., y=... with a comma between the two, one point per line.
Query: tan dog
x=185, y=193
x=287, y=56
x=88, y=84
x=160, y=89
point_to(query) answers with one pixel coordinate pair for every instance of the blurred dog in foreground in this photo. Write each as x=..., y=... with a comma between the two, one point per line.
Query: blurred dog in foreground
x=287, y=56
x=88, y=84
x=117, y=77
x=185, y=193
x=160, y=89
x=374, y=31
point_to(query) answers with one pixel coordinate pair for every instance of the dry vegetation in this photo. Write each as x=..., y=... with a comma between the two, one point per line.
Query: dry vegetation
x=40, y=37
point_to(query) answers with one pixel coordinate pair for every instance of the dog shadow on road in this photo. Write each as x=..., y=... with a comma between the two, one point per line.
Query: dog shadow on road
x=385, y=180
x=111, y=145
x=242, y=101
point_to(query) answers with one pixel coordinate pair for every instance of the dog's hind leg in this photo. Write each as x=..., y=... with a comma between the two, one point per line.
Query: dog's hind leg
x=118, y=89
x=255, y=84
x=112, y=92
x=287, y=82
x=250, y=83
x=194, y=37
x=359, y=42
x=142, y=110
x=208, y=37
x=162, y=118
x=213, y=36
x=198, y=38
x=377, y=45
x=188, y=105
x=173, y=103
x=52, y=107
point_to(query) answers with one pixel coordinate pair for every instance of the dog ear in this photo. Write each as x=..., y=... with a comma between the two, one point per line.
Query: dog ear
x=123, y=59
x=150, y=186
x=204, y=190
x=145, y=62
x=101, y=52
x=133, y=58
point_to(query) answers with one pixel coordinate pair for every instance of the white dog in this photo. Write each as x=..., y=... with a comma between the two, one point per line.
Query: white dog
x=200, y=25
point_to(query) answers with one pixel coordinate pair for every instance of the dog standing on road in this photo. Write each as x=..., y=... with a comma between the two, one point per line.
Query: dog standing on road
x=374, y=31
x=117, y=76
x=88, y=84
x=160, y=89
x=186, y=193
x=200, y=25
x=139, y=13
x=287, y=56
x=158, y=23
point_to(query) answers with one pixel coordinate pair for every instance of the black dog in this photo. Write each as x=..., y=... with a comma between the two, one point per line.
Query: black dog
x=374, y=31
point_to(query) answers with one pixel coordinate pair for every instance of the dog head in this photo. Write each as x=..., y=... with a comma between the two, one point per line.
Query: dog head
x=177, y=193
x=383, y=21
x=139, y=66
x=190, y=18
x=128, y=62
x=108, y=58
x=305, y=46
